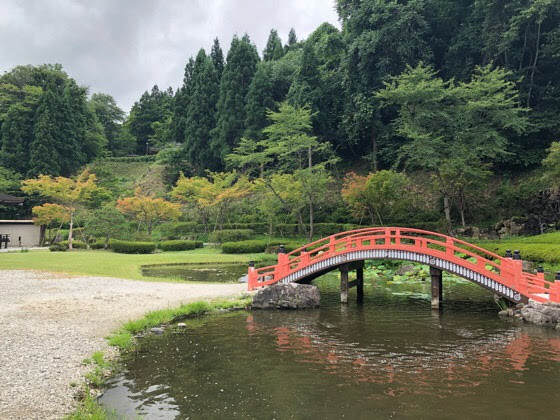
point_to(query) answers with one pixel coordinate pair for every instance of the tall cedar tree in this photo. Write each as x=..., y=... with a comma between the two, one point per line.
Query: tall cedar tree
x=217, y=56
x=180, y=105
x=200, y=113
x=240, y=68
x=274, y=49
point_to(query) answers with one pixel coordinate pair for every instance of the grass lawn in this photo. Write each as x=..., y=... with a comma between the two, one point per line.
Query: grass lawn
x=111, y=264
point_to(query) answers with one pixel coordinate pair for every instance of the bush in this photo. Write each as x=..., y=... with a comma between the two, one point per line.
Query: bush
x=179, y=245
x=58, y=247
x=99, y=244
x=245, y=247
x=126, y=247
x=75, y=244
x=231, y=235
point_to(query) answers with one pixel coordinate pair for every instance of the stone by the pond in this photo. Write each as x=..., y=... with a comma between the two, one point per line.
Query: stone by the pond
x=181, y=325
x=243, y=279
x=157, y=330
x=287, y=296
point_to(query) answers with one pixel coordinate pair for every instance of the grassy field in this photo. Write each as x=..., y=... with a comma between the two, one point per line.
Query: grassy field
x=539, y=248
x=110, y=264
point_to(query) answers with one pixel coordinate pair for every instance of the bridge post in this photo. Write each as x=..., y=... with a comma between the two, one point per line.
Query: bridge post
x=437, y=287
x=360, y=282
x=344, y=283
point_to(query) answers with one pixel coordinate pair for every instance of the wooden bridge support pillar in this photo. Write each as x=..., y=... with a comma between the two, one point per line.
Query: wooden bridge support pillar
x=360, y=282
x=344, y=283
x=437, y=287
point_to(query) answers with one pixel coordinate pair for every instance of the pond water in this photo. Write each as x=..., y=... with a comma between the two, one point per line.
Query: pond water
x=222, y=273
x=391, y=357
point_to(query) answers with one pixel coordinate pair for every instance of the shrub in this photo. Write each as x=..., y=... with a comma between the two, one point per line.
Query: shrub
x=99, y=244
x=126, y=247
x=179, y=245
x=75, y=244
x=231, y=235
x=245, y=247
x=58, y=248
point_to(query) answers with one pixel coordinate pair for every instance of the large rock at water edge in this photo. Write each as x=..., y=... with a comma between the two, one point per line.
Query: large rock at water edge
x=287, y=296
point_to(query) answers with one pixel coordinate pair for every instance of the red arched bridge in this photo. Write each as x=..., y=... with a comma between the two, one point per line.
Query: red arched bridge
x=504, y=276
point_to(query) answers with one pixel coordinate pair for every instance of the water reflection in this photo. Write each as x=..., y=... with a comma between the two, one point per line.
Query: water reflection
x=390, y=357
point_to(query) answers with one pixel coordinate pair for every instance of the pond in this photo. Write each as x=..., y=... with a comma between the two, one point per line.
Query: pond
x=389, y=357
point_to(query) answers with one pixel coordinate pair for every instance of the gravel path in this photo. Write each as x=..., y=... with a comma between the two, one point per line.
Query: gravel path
x=50, y=323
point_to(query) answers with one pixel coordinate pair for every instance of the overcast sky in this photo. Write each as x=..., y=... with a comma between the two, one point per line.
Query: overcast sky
x=123, y=47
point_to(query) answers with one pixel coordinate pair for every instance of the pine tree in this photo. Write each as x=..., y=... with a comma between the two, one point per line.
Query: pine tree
x=217, y=57
x=17, y=135
x=201, y=113
x=241, y=65
x=273, y=50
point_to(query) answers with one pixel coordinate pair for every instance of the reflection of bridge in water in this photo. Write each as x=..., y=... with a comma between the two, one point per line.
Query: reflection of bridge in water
x=465, y=362
x=345, y=251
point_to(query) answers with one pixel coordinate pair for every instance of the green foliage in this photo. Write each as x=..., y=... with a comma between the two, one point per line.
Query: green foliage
x=241, y=63
x=204, y=87
x=58, y=247
x=179, y=245
x=153, y=107
x=230, y=235
x=273, y=49
x=246, y=247
x=552, y=165
x=127, y=247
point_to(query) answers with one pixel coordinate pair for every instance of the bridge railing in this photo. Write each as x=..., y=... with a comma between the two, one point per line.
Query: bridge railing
x=506, y=271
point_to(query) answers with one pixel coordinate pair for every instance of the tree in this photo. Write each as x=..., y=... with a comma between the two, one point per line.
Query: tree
x=148, y=210
x=201, y=113
x=154, y=106
x=111, y=118
x=382, y=38
x=9, y=181
x=240, y=68
x=212, y=196
x=180, y=104
x=552, y=165
x=105, y=222
x=51, y=215
x=67, y=192
x=273, y=49
x=287, y=147
x=292, y=38
x=217, y=57
x=450, y=126
x=381, y=196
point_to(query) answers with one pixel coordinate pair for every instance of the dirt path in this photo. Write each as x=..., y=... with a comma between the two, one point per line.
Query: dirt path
x=50, y=323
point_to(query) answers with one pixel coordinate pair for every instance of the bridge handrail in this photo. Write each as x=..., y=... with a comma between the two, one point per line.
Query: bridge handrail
x=505, y=271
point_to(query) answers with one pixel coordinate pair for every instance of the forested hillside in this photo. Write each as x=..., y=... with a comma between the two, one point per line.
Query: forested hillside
x=428, y=112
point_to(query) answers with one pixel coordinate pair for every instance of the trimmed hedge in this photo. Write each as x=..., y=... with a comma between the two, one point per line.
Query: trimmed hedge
x=541, y=252
x=245, y=247
x=58, y=248
x=179, y=245
x=99, y=244
x=127, y=247
x=231, y=235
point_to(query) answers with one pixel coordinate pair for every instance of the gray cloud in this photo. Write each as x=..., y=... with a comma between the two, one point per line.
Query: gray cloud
x=124, y=47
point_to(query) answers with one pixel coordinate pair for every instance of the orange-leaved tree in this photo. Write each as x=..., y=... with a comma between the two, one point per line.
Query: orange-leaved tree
x=68, y=193
x=148, y=210
x=50, y=214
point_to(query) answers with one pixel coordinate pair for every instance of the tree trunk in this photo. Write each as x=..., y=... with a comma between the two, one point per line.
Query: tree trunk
x=70, y=230
x=106, y=245
x=534, y=67
x=447, y=211
x=374, y=150
x=310, y=222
